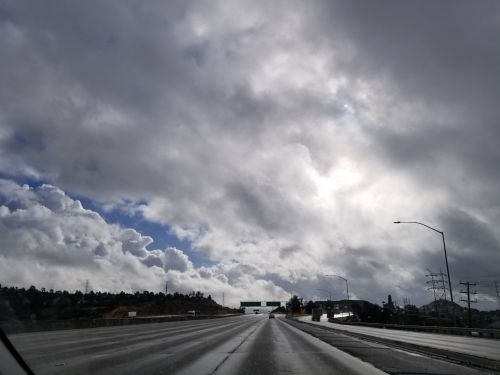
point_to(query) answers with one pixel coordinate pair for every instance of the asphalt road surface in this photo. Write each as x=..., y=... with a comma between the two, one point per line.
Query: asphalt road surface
x=480, y=347
x=250, y=344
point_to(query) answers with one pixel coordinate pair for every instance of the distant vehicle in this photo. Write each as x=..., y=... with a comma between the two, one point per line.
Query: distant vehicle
x=271, y=316
x=316, y=314
x=256, y=311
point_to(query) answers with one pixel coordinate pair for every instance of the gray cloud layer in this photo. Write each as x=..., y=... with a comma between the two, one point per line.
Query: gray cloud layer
x=282, y=140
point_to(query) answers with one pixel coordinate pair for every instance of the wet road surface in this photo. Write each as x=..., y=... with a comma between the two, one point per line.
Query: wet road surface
x=481, y=347
x=250, y=344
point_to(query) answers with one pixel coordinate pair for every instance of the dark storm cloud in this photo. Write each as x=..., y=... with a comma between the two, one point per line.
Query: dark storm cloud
x=437, y=51
x=83, y=45
x=441, y=54
x=474, y=245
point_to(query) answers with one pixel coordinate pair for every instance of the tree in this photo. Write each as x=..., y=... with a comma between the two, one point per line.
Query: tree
x=295, y=304
x=309, y=306
x=389, y=305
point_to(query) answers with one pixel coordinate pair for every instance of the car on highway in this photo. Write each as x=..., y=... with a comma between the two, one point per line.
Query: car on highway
x=271, y=316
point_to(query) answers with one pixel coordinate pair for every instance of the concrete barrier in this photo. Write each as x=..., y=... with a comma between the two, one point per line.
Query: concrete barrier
x=478, y=332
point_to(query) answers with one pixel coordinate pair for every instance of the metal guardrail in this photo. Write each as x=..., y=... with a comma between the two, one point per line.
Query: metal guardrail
x=478, y=332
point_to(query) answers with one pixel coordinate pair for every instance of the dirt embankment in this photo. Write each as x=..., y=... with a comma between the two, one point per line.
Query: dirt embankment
x=170, y=308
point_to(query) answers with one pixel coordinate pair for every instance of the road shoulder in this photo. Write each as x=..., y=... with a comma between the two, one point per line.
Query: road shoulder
x=395, y=357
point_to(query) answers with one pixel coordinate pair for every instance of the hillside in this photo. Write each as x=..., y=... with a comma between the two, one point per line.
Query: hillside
x=34, y=304
x=443, y=306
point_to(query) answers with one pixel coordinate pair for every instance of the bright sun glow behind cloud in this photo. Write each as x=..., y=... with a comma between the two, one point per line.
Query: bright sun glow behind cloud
x=340, y=179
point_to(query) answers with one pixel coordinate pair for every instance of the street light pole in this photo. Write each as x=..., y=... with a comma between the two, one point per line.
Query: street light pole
x=444, y=247
x=346, y=284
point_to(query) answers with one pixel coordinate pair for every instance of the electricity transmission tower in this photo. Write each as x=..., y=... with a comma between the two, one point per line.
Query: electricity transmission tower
x=437, y=283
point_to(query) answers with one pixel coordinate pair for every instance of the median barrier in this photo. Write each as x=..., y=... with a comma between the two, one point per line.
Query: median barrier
x=478, y=332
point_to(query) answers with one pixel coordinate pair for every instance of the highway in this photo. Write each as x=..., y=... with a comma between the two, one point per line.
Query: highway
x=480, y=347
x=251, y=344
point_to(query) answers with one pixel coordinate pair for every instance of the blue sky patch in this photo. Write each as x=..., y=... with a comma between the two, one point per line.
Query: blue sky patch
x=161, y=236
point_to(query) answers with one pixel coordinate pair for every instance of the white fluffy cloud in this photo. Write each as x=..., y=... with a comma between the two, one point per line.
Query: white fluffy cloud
x=50, y=240
x=281, y=140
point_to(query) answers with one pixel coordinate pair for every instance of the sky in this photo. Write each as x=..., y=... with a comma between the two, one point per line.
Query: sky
x=249, y=148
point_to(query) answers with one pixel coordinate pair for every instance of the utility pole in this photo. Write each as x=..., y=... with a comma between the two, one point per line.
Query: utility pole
x=86, y=286
x=166, y=287
x=223, y=298
x=468, y=284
